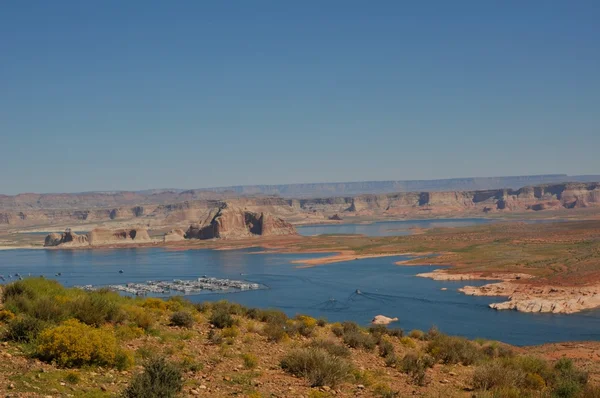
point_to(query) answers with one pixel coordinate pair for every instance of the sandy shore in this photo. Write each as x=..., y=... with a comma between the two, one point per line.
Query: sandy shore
x=341, y=257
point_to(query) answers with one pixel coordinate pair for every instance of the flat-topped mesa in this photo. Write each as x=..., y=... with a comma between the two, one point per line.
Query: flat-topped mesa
x=66, y=238
x=102, y=236
x=229, y=222
x=97, y=237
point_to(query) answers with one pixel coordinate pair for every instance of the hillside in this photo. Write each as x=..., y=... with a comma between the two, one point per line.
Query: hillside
x=104, y=345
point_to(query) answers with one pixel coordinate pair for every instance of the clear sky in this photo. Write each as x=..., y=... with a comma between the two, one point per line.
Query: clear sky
x=107, y=95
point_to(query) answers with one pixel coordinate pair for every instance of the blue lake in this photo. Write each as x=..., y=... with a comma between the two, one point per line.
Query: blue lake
x=328, y=291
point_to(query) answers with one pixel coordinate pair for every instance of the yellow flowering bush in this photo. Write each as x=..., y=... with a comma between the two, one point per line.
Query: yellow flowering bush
x=75, y=344
x=6, y=315
x=155, y=303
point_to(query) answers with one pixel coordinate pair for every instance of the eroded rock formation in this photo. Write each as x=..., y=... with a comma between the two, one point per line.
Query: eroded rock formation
x=66, y=238
x=174, y=235
x=230, y=222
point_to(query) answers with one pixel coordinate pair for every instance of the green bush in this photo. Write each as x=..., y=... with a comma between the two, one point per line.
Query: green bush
x=331, y=347
x=221, y=318
x=204, y=307
x=321, y=322
x=24, y=329
x=452, y=350
x=318, y=366
x=182, y=319
x=416, y=366
x=358, y=339
x=94, y=309
x=385, y=348
x=250, y=361
x=275, y=331
x=215, y=337
x=417, y=334
x=160, y=379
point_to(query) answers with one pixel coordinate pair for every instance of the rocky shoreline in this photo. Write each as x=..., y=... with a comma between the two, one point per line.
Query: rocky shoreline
x=525, y=297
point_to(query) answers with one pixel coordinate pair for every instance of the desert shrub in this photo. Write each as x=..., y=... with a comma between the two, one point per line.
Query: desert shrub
x=160, y=379
x=408, y=342
x=74, y=344
x=230, y=308
x=383, y=391
x=566, y=370
x=231, y=332
x=72, y=378
x=269, y=315
x=155, y=304
x=534, y=381
x=321, y=322
x=275, y=331
x=215, y=337
x=417, y=334
x=188, y=364
x=416, y=366
x=358, y=339
x=331, y=347
x=316, y=365
x=566, y=388
x=350, y=327
x=337, y=329
x=176, y=303
x=386, y=348
x=6, y=315
x=250, y=361
x=94, y=309
x=496, y=350
x=139, y=316
x=451, y=350
x=495, y=374
x=182, y=319
x=382, y=330
x=128, y=332
x=305, y=325
x=221, y=318
x=47, y=309
x=203, y=307
x=432, y=333
x=24, y=329
x=124, y=360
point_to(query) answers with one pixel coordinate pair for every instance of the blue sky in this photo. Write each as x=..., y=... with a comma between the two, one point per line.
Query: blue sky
x=145, y=94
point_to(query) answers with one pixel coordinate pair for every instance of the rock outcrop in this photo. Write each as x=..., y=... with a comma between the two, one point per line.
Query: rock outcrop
x=527, y=298
x=67, y=238
x=383, y=320
x=97, y=237
x=174, y=235
x=102, y=236
x=230, y=222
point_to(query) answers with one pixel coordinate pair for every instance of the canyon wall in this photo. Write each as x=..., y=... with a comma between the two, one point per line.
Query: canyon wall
x=298, y=211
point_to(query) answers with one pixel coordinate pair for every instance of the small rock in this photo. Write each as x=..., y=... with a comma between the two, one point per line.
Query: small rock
x=360, y=387
x=452, y=374
x=202, y=387
x=62, y=383
x=444, y=381
x=103, y=388
x=194, y=392
x=326, y=388
x=11, y=386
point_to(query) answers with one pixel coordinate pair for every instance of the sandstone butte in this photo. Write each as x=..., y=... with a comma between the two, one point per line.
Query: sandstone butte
x=97, y=237
x=230, y=222
x=525, y=297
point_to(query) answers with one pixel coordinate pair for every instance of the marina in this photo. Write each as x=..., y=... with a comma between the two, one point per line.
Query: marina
x=179, y=286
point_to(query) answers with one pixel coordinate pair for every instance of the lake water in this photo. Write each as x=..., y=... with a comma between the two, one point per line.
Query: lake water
x=328, y=291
